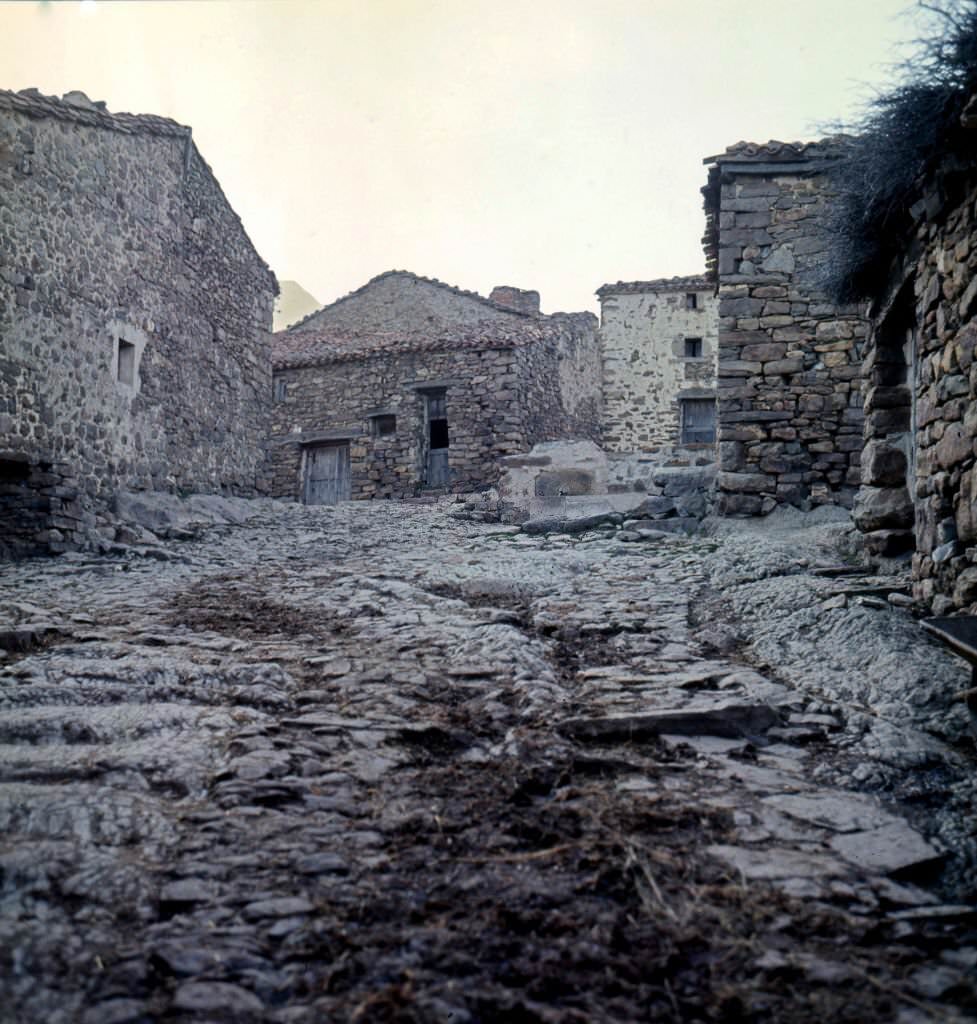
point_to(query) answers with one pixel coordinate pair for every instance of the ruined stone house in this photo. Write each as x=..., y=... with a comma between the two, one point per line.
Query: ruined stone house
x=408, y=384
x=658, y=344
x=135, y=321
x=789, y=368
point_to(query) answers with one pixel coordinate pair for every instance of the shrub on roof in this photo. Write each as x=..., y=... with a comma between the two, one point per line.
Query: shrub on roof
x=903, y=135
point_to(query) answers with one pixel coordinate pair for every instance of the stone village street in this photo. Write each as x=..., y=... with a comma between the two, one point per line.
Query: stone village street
x=377, y=762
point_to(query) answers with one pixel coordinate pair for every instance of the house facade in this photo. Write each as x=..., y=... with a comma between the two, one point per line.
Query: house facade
x=789, y=369
x=408, y=384
x=135, y=315
x=659, y=343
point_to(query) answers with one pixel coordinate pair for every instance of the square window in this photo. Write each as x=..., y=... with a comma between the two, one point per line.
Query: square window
x=693, y=348
x=691, y=300
x=125, y=366
x=383, y=426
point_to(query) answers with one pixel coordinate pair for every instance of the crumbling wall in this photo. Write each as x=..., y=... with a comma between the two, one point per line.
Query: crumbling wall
x=113, y=232
x=790, y=408
x=645, y=367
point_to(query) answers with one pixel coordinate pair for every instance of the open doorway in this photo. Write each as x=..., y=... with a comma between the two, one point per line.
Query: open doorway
x=436, y=441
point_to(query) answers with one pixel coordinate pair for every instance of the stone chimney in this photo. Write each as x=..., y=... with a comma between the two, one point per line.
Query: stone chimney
x=516, y=298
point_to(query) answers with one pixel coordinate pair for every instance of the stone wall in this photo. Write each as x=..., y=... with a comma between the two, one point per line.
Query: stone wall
x=114, y=235
x=338, y=398
x=499, y=401
x=919, y=474
x=645, y=367
x=558, y=381
x=790, y=407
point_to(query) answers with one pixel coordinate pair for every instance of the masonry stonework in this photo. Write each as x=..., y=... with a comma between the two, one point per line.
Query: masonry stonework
x=135, y=316
x=510, y=378
x=658, y=347
x=790, y=407
x=920, y=473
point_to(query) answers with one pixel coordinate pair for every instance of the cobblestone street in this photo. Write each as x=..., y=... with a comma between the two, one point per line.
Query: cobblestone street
x=378, y=763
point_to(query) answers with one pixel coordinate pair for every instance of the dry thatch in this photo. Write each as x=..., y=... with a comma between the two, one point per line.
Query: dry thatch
x=903, y=136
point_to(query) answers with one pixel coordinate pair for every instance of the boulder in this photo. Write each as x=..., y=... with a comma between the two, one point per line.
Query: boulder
x=882, y=508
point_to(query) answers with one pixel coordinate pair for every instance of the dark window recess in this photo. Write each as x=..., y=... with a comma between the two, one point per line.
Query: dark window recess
x=693, y=348
x=281, y=390
x=383, y=426
x=126, y=363
x=439, y=434
x=691, y=300
x=698, y=420
x=14, y=471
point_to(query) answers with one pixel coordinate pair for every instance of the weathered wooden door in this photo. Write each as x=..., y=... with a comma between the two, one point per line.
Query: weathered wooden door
x=436, y=470
x=326, y=474
x=699, y=421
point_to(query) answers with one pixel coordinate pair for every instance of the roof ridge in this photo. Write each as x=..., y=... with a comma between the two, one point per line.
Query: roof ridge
x=454, y=289
x=775, y=148
x=36, y=104
x=677, y=283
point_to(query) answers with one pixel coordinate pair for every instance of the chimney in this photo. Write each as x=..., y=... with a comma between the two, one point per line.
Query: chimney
x=517, y=299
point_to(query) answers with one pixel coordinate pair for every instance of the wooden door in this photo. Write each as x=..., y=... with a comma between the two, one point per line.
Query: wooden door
x=699, y=421
x=436, y=470
x=327, y=474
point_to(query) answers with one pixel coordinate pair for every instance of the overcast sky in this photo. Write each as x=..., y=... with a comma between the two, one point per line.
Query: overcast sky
x=548, y=144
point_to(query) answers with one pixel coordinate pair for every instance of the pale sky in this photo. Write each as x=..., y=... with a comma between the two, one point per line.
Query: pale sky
x=547, y=144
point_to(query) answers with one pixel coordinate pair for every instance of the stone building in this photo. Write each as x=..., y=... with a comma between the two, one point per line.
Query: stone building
x=790, y=407
x=919, y=470
x=409, y=384
x=658, y=344
x=135, y=316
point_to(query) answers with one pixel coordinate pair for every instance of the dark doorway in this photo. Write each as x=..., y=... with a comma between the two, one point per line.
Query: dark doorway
x=436, y=471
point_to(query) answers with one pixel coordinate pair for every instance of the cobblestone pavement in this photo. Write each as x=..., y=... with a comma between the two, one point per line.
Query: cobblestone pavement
x=374, y=763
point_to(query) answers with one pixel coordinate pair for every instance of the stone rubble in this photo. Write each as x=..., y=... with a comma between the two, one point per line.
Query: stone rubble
x=234, y=781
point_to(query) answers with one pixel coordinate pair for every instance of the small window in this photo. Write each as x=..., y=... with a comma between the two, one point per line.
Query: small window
x=691, y=300
x=281, y=389
x=125, y=367
x=383, y=426
x=693, y=348
x=698, y=416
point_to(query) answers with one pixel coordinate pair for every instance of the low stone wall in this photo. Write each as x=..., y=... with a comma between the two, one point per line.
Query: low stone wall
x=790, y=407
x=572, y=480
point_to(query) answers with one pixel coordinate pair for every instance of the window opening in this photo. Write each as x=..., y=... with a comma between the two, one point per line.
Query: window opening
x=126, y=363
x=383, y=426
x=698, y=420
x=693, y=348
x=691, y=300
x=281, y=390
